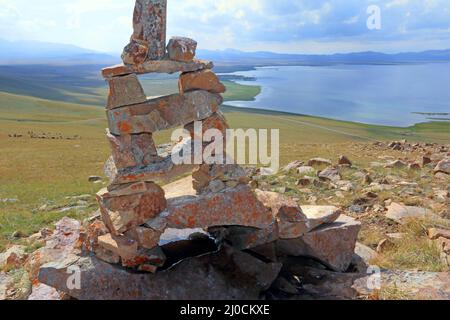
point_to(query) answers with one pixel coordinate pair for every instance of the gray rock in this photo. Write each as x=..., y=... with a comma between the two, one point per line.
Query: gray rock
x=332, y=244
x=226, y=275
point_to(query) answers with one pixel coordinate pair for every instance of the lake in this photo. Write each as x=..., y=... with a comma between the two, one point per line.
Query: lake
x=373, y=94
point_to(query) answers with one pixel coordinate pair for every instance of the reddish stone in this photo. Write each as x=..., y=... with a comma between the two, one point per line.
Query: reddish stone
x=147, y=238
x=123, y=213
x=125, y=91
x=135, y=52
x=201, y=80
x=181, y=49
x=216, y=121
x=163, y=113
x=137, y=150
x=231, y=207
x=125, y=248
x=149, y=26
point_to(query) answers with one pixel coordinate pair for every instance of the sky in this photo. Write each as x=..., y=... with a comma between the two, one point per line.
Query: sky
x=290, y=26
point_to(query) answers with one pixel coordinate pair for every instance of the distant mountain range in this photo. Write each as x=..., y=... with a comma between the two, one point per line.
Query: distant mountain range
x=41, y=53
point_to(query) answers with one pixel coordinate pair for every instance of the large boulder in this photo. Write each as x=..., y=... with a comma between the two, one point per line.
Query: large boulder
x=332, y=244
x=226, y=275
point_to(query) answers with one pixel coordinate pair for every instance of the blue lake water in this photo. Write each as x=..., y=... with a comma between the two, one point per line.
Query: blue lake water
x=373, y=94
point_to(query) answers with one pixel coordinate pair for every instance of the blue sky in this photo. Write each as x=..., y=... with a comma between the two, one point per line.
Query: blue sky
x=294, y=26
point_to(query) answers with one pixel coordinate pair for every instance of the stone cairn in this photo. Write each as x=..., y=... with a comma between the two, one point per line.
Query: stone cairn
x=249, y=227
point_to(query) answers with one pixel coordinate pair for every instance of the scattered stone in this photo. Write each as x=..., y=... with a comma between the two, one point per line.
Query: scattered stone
x=344, y=161
x=125, y=91
x=94, y=178
x=181, y=49
x=397, y=164
x=307, y=181
x=293, y=166
x=60, y=244
x=332, y=244
x=426, y=160
x=13, y=258
x=330, y=174
x=415, y=285
x=400, y=213
x=385, y=245
x=305, y=170
x=414, y=166
x=435, y=233
x=317, y=162
x=443, y=166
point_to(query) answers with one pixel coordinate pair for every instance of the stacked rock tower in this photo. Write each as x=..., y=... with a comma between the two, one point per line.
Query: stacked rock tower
x=134, y=208
x=150, y=241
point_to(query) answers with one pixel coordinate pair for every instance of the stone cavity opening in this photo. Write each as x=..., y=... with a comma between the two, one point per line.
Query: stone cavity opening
x=158, y=84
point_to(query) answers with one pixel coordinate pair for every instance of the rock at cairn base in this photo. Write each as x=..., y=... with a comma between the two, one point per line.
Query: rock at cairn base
x=226, y=275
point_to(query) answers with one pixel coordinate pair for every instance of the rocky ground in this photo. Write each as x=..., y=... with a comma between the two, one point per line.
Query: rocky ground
x=399, y=192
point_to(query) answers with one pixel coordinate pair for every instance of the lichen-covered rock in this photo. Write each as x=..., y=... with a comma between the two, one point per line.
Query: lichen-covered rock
x=231, y=207
x=181, y=49
x=13, y=258
x=60, y=244
x=160, y=66
x=135, y=52
x=201, y=80
x=125, y=91
x=133, y=150
x=292, y=223
x=332, y=244
x=149, y=29
x=123, y=213
x=163, y=113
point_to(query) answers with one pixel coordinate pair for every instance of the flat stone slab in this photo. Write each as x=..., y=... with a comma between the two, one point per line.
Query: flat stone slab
x=158, y=66
x=332, y=244
x=231, y=207
x=401, y=213
x=226, y=275
x=163, y=171
x=163, y=113
x=319, y=215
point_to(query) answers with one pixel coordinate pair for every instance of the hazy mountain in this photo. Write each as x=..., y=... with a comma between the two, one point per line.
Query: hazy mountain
x=231, y=56
x=33, y=52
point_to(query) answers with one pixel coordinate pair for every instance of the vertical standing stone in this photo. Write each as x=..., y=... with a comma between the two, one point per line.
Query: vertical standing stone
x=149, y=25
x=125, y=91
